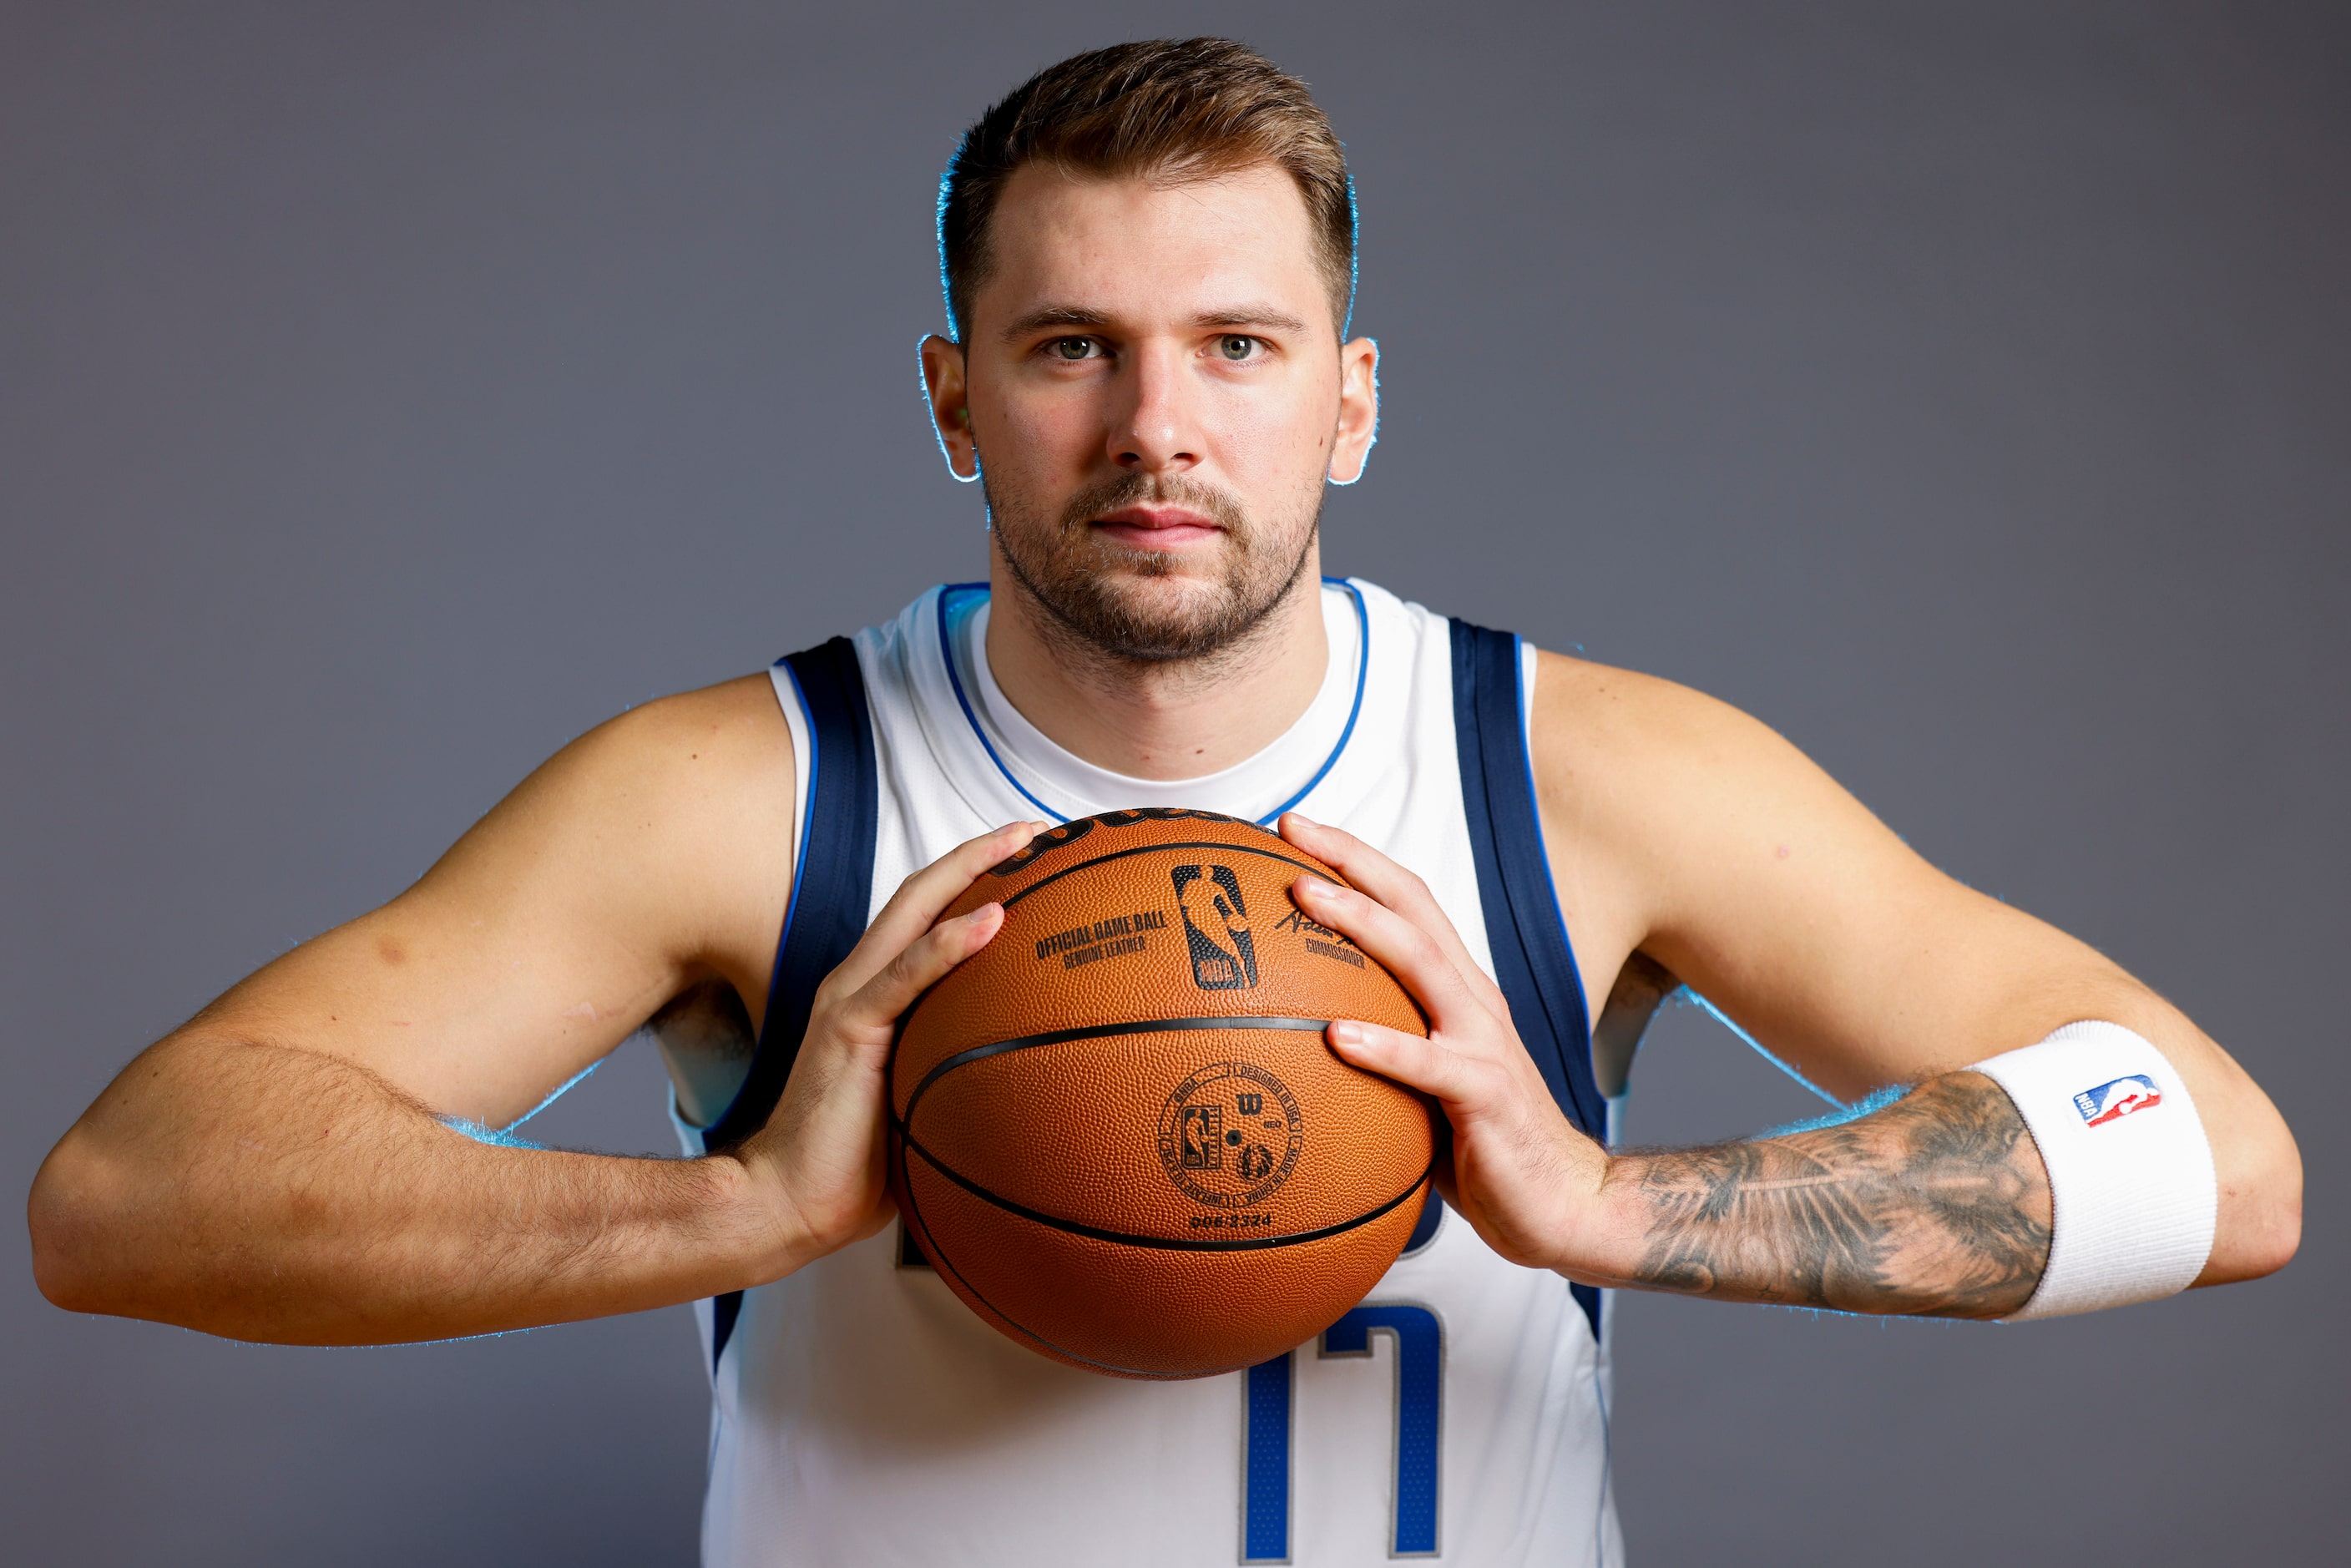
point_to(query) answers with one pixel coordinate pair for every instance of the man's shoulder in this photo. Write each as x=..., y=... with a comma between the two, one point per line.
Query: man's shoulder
x=694, y=781
x=1617, y=749
x=1583, y=706
x=732, y=731
x=679, y=810
x=1671, y=790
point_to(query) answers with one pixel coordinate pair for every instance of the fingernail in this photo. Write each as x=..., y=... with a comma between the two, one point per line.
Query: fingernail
x=1345, y=1033
x=1314, y=887
x=986, y=911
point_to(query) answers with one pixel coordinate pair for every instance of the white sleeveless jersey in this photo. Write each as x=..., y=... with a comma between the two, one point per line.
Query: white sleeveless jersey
x=863, y=1416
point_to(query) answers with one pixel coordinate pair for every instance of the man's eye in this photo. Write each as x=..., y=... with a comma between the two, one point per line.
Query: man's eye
x=1234, y=346
x=1074, y=347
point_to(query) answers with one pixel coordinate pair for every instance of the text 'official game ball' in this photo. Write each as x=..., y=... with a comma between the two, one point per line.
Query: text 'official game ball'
x=1117, y=1131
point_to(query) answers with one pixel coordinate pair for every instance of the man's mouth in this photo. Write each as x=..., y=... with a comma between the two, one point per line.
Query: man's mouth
x=1156, y=527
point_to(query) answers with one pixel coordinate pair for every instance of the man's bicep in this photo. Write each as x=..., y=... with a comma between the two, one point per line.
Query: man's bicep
x=1768, y=888
x=650, y=854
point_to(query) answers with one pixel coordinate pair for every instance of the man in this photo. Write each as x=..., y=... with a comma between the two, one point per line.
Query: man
x=1149, y=257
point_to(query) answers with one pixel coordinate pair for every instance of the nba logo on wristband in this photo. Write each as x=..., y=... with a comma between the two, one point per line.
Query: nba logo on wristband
x=2111, y=1102
x=2131, y=1214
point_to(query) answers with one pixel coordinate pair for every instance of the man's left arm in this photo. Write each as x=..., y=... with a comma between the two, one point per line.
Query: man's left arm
x=1680, y=829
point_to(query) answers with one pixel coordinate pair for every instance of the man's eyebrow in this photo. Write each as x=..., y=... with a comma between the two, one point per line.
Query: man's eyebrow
x=1047, y=316
x=1251, y=315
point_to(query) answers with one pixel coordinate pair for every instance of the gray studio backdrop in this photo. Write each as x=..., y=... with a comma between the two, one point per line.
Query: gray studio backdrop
x=388, y=393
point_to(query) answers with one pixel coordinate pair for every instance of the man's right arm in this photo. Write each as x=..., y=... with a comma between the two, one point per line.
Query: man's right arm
x=279, y=1168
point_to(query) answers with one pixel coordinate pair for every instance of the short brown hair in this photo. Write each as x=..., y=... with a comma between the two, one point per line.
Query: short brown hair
x=1187, y=109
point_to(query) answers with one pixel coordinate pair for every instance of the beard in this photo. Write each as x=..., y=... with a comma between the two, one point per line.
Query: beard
x=1098, y=594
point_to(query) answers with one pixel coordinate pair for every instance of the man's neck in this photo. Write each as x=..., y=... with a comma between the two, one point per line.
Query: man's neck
x=1182, y=720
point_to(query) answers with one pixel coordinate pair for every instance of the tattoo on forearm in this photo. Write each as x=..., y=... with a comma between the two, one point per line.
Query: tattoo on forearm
x=1937, y=1204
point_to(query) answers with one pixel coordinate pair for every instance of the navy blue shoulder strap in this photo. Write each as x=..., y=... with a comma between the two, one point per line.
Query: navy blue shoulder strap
x=1532, y=960
x=832, y=882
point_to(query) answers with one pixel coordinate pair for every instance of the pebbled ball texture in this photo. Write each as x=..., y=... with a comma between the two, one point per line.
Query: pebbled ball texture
x=1116, y=1131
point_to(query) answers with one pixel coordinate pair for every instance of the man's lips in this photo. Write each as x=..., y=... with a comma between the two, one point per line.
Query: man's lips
x=1156, y=527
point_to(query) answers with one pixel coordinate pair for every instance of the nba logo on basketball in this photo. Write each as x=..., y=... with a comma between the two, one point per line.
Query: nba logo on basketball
x=1204, y=1138
x=1216, y=928
x=2112, y=1102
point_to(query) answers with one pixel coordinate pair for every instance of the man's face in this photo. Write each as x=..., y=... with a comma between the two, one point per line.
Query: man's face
x=1156, y=393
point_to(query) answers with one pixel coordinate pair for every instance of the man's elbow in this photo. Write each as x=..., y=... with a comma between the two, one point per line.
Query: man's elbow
x=2261, y=1215
x=76, y=1230
x=2276, y=1236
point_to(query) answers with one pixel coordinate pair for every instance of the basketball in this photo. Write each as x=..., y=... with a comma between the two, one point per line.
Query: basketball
x=1117, y=1132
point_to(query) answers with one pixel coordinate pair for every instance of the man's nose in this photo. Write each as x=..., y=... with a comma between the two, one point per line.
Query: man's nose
x=1157, y=431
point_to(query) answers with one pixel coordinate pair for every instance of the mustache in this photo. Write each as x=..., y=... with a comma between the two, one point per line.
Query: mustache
x=1136, y=489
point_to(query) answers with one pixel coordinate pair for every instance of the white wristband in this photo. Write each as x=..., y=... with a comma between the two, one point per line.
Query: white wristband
x=2131, y=1188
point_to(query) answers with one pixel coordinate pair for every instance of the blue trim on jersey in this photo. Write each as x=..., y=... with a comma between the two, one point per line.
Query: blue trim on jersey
x=808, y=822
x=947, y=653
x=1534, y=962
x=1362, y=675
x=832, y=882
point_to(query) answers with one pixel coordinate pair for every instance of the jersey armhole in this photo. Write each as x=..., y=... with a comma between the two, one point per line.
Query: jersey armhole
x=1526, y=931
x=795, y=711
x=837, y=808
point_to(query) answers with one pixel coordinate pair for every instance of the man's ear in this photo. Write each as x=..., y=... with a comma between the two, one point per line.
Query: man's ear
x=943, y=378
x=1359, y=410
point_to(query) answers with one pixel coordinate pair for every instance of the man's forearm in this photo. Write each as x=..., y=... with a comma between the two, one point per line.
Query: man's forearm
x=269, y=1193
x=1937, y=1204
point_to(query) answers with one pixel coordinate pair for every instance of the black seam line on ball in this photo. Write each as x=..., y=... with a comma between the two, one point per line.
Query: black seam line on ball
x=1100, y=1031
x=1156, y=848
x=1166, y=1244
x=938, y=1255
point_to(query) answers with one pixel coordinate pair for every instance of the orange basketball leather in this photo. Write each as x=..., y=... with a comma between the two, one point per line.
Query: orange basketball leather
x=1117, y=1133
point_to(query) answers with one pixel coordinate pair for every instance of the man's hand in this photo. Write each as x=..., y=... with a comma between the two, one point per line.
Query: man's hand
x=1518, y=1172
x=820, y=1154
x=1936, y=1204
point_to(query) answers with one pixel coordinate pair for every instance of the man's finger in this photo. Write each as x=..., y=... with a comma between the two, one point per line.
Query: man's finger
x=1409, y=953
x=1398, y=889
x=1428, y=1065
x=920, y=966
x=919, y=899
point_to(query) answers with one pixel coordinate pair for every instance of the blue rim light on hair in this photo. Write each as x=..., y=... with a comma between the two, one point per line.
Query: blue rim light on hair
x=506, y=1137
x=1354, y=250
x=939, y=236
x=1354, y=282
x=1699, y=999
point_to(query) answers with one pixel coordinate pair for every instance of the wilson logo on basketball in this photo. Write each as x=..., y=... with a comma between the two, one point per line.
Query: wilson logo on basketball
x=1229, y=1136
x=1216, y=928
